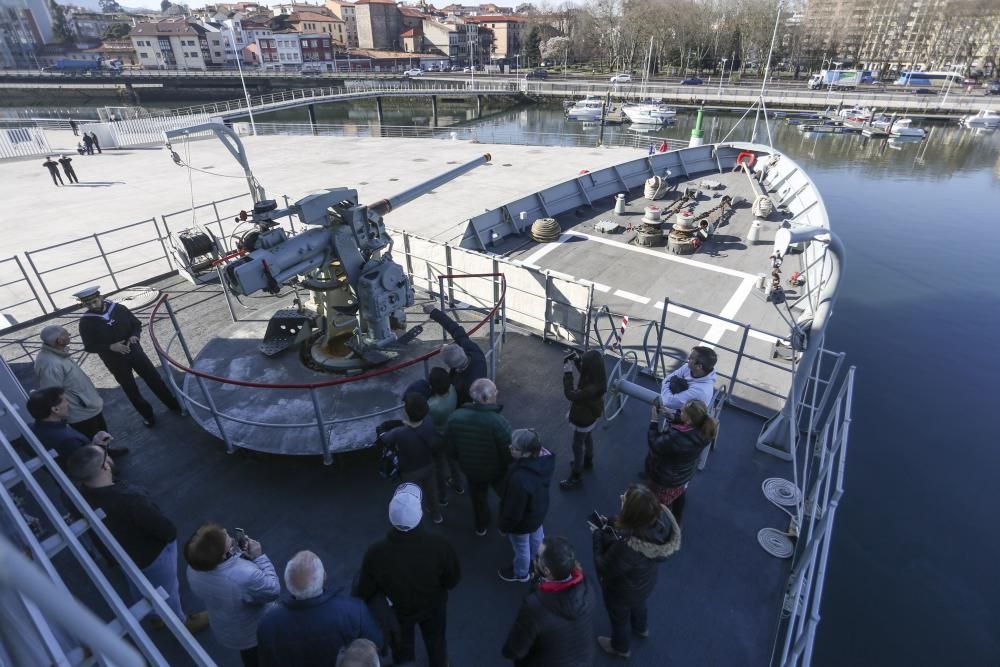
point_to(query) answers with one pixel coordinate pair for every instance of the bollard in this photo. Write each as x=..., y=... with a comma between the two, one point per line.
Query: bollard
x=620, y=204
x=754, y=234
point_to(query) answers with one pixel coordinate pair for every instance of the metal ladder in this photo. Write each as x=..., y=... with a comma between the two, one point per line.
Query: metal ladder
x=48, y=625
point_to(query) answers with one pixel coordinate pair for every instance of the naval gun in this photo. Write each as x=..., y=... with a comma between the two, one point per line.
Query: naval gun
x=343, y=258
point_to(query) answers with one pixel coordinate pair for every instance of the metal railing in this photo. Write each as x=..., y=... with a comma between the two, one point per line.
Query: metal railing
x=23, y=141
x=482, y=133
x=322, y=424
x=125, y=255
x=63, y=630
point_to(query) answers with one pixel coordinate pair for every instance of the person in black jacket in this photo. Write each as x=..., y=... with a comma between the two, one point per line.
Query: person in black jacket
x=555, y=621
x=67, y=165
x=414, y=444
x=627, y=551
x=525, y=501
x=112, y=331
x=586, y=407
x=143, y=531
x=414, y=569
x=674, y=452
x=466, y=361
x=53, y=168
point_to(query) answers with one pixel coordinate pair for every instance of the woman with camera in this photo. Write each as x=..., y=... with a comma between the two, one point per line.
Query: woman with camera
x=674, y=452
x=586, y=407
x=627, y=550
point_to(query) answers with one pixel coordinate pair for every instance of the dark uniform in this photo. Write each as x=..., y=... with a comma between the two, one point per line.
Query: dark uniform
x=116, y=324
x=67, y=165
x=97, y=144
x=53, y=168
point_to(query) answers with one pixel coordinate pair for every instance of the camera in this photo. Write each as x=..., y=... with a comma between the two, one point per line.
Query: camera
x=677, y=385
x=597, y=520
x=573, y=356
x=242, y=541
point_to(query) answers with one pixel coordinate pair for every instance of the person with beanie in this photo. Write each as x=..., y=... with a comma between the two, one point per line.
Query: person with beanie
x=442, y=402
x=414, y=444
x=413, y=569
x=524, y=501
x=586, y=407
x=555, y=624
x=466, y=361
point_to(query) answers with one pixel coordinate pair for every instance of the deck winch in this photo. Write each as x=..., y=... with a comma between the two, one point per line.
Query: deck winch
x=650, y=232
x=683, y=238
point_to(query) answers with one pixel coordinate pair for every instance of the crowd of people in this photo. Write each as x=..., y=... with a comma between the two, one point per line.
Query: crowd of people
x=453, y=439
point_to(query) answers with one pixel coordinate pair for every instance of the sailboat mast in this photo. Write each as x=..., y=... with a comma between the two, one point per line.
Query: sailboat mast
x=767, y=70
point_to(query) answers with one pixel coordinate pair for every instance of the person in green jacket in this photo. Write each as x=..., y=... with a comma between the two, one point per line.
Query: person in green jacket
x=479, y=438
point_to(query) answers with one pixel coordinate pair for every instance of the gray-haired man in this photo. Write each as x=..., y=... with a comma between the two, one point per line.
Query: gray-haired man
x=55, y=368
x=524, y=501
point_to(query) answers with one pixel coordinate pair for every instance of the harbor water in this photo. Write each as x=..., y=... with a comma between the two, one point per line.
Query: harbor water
x=911, y=577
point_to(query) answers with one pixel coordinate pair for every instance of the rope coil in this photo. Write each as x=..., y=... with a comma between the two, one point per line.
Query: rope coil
x=546, y=230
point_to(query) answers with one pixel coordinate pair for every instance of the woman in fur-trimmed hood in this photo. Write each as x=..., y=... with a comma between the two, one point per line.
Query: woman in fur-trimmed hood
x=627, y=553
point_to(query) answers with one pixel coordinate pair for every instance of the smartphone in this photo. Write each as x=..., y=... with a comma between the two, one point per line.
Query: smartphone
x=241, y=538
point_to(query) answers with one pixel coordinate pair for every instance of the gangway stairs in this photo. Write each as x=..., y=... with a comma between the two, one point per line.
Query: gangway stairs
x=43, y=620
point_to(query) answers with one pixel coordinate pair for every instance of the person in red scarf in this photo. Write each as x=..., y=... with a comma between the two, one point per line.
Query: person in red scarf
x=554, y=626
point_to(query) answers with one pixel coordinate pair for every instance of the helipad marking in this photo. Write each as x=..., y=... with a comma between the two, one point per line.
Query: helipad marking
x=676, y=310
x=598, y=287
x=661, y=255
x=638, y=298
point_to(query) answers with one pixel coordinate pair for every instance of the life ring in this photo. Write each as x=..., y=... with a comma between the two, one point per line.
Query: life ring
x=747, y=158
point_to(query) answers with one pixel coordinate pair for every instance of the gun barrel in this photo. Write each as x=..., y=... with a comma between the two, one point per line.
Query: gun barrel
x=383, y=206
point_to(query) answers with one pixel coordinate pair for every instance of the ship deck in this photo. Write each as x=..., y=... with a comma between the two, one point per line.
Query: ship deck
x=717, y=600
x=721, y=578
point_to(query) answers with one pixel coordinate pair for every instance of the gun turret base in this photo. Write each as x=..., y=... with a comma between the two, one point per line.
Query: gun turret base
x=337, y=355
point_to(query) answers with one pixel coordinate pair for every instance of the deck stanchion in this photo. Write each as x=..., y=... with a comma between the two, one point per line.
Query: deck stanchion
x=230, y=448
x=739, y=358
x=34, y=292
x=163, y=244
x=323, y=441
x=657, y=357
x=111, y=273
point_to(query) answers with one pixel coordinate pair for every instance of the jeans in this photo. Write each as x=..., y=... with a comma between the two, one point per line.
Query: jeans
x=583, y=450
x=525, y=546
x=620, y=618
x=425, y=478
x=249, y=658
x=433, y=623
x=163, y=572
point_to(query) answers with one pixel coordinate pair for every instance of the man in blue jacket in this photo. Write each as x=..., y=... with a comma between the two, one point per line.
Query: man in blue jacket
x=313, y=624
x=525, y=501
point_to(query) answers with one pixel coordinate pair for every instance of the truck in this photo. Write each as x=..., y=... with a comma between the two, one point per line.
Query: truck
x=837, y=79
x=71, y=65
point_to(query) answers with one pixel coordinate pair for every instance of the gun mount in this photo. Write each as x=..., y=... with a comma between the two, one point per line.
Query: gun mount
x=343, y=258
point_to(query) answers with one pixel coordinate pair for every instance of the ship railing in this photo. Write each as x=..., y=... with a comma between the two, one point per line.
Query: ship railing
x=812, y=529
x=41, y=560
x=321, y=425
x=124, y=256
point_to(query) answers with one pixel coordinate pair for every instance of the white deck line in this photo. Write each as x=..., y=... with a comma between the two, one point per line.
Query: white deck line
x=676, y=310
x=663, y=255
x=638, y=298
x=729, y=311
x=598, y=287
x=545, y=250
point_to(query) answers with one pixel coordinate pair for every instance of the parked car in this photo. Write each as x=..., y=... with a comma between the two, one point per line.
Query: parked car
x=621, y=78
x=993, y=88
x=466, y=69
x=434, y=68
x=924, y=91
x=416, y=71
x=537, y=74
x=693, y=81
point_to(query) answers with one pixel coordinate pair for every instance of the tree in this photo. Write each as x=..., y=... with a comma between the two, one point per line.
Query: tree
x=116, y=31
x=532, y=45
x=60, y=29
x=110, y=6
x=165, y=5
x=556, y=48
x=525, y=8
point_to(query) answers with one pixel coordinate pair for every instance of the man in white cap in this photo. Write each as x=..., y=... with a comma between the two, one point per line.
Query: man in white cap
x=414, y=569
x=54, y=368
x=112, y=332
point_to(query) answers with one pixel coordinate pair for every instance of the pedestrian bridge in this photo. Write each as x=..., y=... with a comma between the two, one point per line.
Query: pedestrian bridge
x=352, y=90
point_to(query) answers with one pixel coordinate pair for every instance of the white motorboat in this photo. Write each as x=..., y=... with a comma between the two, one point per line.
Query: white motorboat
x=899, y=127
x=649, y=114
x=985, y=119
x=857, y=114
x=589, y=109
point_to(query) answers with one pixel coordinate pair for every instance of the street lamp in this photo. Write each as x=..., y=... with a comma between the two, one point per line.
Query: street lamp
x=722, y=77
x=239, y=66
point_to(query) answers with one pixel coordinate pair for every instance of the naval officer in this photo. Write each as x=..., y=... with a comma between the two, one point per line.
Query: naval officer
x=112, y=331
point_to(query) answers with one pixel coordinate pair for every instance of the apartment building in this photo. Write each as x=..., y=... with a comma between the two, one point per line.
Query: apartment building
x=345, y=11
x=316, y=48
x=288, y=46
x=379, y=24
x=25, y=26
x=313, y=22
x=176, y=43
x=92, y=25
x=508, y=33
